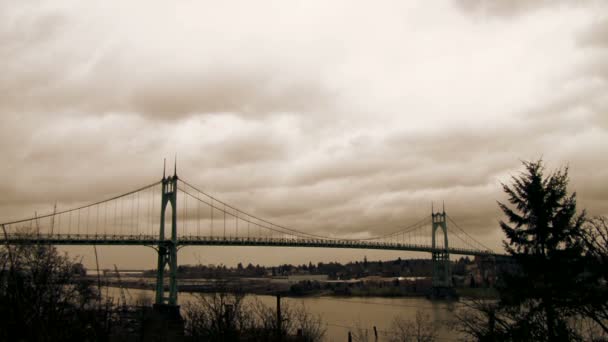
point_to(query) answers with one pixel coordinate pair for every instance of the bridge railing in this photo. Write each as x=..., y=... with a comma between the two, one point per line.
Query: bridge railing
x=143, y=239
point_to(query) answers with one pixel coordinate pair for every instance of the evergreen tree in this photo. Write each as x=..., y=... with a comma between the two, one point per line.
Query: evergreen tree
x=543, y=232
x=555, y=279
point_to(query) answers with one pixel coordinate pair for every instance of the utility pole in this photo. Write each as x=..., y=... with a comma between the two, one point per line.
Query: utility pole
x=279, y=318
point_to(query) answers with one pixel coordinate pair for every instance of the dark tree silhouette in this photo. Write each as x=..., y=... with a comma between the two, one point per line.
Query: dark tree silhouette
x=543, y=232
x=44, y=298
x=558, y=279
x=593, y=293
x=225, y=315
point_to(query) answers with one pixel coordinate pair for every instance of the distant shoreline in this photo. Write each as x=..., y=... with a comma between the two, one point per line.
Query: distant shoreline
x=266, y=286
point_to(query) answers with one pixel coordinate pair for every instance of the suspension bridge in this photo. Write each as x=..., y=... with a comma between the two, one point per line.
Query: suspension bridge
x=148, y=216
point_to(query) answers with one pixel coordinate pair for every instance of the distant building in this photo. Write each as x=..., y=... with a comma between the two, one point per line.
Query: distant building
x=296, y=278
x=482, y=272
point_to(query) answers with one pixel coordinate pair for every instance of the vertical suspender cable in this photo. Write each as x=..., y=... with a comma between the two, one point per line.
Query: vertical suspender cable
x=137, y=216
x=58, y=224
x=198, y=215
x=97, y=221
x=78, y=224
x=120, y=229
x=105, y=218
x=224, y=221
x=185, y=213
x=115, y=216
x=152, y=212
x=149, y=200
x=211, y=209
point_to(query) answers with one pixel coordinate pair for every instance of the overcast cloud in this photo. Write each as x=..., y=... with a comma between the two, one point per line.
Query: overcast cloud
x=334, y=118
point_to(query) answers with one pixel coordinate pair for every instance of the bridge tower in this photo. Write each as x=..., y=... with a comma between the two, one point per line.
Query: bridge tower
x=167, y=249
x=164, y=322
x=442, y=275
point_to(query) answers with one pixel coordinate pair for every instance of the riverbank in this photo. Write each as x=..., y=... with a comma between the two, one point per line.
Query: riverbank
x=376, y=287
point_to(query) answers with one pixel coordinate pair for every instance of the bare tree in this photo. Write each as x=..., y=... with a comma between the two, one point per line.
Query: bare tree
x=421, y=329
x=594, y=292
x=486, y=320
x=361, y=334
x=143, y=299
x=296, y=321
x=310, y=326
x=266, y=325
x=220, y=316
x=44, y=297
x=225, y=316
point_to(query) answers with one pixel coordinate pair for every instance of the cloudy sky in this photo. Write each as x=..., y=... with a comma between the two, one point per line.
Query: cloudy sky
x=313, y=114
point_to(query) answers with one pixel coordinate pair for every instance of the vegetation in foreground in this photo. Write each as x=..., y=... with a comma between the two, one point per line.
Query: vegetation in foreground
x=558, y=289
x=225, y=316
x=42, y=298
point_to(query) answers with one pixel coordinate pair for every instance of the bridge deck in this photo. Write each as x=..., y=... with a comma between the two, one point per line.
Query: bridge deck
x=148, y=240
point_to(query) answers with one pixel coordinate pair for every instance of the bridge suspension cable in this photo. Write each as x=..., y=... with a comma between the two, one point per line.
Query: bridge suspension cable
x=475, y=244
x=251, y=219
x=226, y=209
x=82, y=207
x=123, y=214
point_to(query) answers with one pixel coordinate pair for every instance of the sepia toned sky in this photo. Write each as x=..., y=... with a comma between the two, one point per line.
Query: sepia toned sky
x=340, y=117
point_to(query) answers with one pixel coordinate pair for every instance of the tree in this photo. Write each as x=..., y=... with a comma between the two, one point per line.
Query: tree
x=226, y=316
x=542, y=232
x=43, y=299
x=309, y=325
x=361, y=333
x=295, y=321
x=594, y=292
x=219, y=316
x=544, y=293
x=421, y=329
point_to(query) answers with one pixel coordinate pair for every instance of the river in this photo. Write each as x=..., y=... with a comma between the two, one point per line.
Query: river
x=341, y=314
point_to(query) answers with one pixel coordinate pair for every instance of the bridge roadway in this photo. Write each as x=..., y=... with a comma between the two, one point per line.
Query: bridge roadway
x=149, y=240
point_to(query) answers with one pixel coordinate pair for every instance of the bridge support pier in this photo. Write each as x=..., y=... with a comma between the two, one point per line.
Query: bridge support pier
x=442, y=274
x=163, y=323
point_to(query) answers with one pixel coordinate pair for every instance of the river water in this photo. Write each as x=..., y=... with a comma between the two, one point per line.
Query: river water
x=341, y=314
